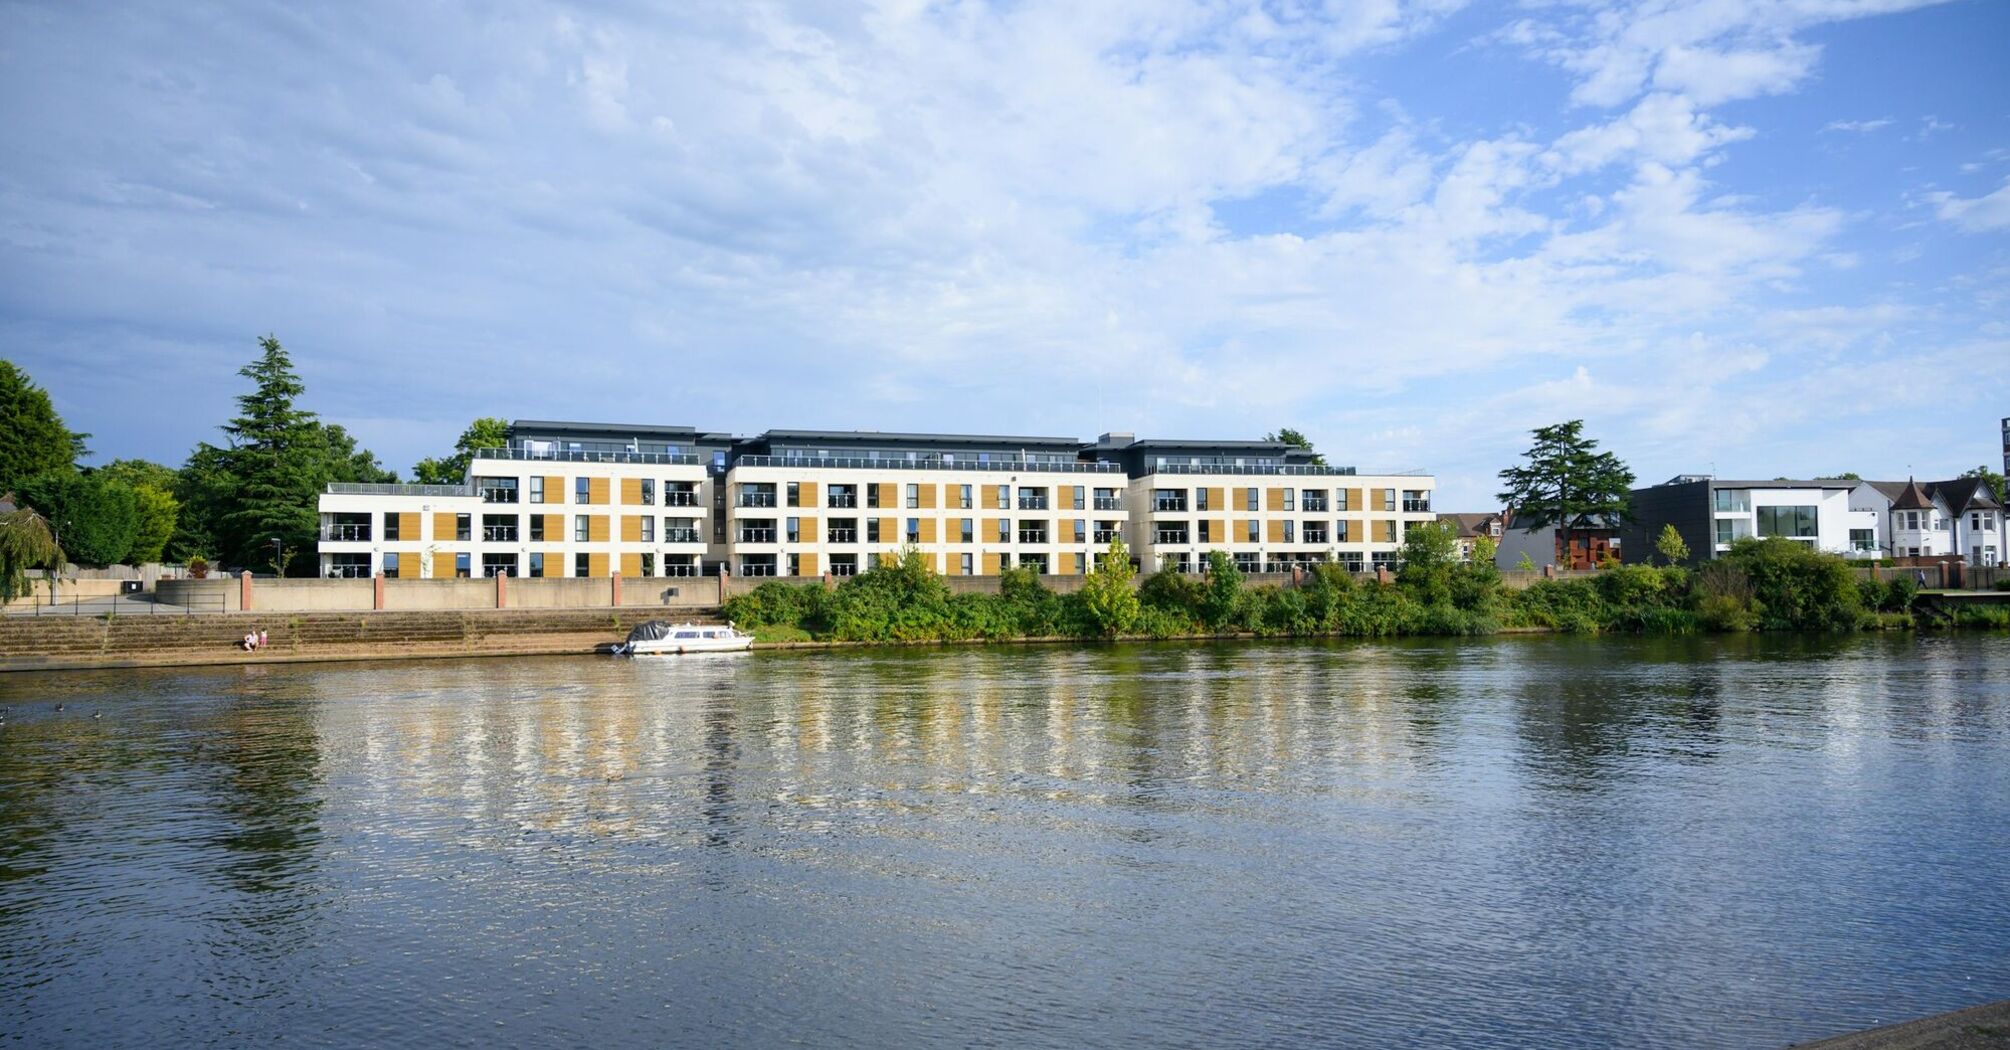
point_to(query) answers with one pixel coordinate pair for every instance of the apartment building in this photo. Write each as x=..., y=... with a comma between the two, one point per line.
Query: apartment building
x=1710, y=514
x=580, y=499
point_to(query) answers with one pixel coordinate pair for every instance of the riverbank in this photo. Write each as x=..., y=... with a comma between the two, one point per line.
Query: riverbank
x=1985, y=1027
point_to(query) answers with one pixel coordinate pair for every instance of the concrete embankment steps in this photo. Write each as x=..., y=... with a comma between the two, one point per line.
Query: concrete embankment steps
x=68, y=641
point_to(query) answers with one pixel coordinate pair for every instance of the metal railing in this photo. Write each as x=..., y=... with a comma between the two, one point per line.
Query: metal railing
x=680, y=570
x=681, y=536
x=357, y=488
x=1106, y=537
x=756, y=569
x=756, y=499
x=494, y=495
x=1032, y=503
x=1281, y=468
x=1169, y=537
x=757, y=536
x=841, y=536
x=1109, y=503
x=1030, y=536
x=1313, y=506
x=858, y=463
x=680, y=499
x=842, y=500
x=346, y=533
x=584, y=456
x=1162, y=504
x=1416, y=506
x=1314, y=537
x=499, y=534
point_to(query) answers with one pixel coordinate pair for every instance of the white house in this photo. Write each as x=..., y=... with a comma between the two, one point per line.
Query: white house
x=1931, y=519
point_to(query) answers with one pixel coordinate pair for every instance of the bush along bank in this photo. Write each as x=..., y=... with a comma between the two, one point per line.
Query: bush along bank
x=1762, y=585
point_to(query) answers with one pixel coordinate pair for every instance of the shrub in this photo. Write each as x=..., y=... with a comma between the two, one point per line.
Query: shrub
x=1797, y=587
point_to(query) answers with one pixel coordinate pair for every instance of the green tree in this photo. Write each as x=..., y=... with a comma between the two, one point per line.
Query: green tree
x=1293, y=437
x=33, y=439
x=1990, y=478
x=158, y=510
x=1564, y=480
x=26, y=542
x=341, y=460
x=90, y=517
x=205, y=488
x=1670, y=545
x=1223, y=594
x=1107, y=594
x=277, y=461
x=486, y=432
x=1430, y=550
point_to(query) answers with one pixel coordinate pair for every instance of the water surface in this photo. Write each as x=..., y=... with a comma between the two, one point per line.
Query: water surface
x=1557, y=842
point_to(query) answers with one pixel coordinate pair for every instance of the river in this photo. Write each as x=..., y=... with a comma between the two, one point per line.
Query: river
x=1555, y=842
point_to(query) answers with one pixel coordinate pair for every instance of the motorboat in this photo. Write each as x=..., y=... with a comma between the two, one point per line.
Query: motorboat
x=660, y=638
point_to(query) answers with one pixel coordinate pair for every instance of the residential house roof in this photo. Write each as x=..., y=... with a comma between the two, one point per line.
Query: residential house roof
x=1472, y=525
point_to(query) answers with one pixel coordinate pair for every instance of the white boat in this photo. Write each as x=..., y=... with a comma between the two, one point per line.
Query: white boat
x=657, y=638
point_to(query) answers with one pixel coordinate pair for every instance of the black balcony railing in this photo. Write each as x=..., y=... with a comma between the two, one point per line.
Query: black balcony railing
x=1032, y=503
x=1416, y=506
x=499, y=534
x=1032, y=536
x=680, y=536
x=841, y=499
x=582, y=456
x=346, y=533
x=1106, y=537
x=1314, y=506
x=1109, y=503
x=680, y=570
x=841, y=536
x=757, y=536
x=757, y=569
x=1163, y=536
x=757, y=499
x=675, y=498
x=1168, y=503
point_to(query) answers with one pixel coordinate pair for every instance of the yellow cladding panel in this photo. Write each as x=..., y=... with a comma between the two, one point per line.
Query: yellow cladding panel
x=631, y=493
x=1069, y=565
x=1354, y=500
x=408, y=564
x=408, y=527
x=554, y=490
x=987, y=530
x=1217, y=499
x=443, y=527
x=1274, y=499
x=925, y=497
x=807, y=565
x=1275, y=531
x=596, y=491
x=554, y=526
x=443, y=565
x=806, y=495
x=808, y=529
x=596, y=531
x=889, y=530
x=952, y=565
x=1243, y=497
x=889, y=494
x=989, y=563
x=928, y=524
x=631, y=528
x=596, y=564
x=889, y=559
x=631, y=564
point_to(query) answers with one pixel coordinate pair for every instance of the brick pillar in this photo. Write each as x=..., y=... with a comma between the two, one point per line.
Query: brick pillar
x=1297, y=576
x=377, y=592
x=244, y=590
x=502, y=590
x=1549, y=572
x=616, y=589
x=1875, y=573
x=1381, y=574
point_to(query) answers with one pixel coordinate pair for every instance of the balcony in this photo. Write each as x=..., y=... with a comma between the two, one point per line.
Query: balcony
x=358, y=488
x=1295, y=469
x=867, y=463
x=1032, y=535
x=1105, y=537
x=1412, y=506
x=1033, y=502
x=346, y=533
x=1162, y=504
x=579, y=456
x=1317, y=505
x=681, y=536
x=757, y=499
x=1174, y=537
x=841, y=536
x=842, y=500
x=1315, y=536
x=680, y=570
x=676, y=498
x=499, y=534
x=1109, y=503
x=757, y=536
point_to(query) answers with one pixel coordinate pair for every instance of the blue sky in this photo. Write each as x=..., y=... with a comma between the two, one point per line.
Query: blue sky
x=1756, y=238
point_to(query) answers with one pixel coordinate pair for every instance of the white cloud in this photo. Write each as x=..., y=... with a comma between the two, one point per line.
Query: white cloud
x=1975, y=215
x=1858, y=126
x=1662, y=128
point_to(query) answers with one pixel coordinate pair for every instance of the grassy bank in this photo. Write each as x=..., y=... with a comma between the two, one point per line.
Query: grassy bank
x=1770, y=585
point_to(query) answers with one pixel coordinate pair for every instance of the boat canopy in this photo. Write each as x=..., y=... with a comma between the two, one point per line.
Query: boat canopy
x=652, y=631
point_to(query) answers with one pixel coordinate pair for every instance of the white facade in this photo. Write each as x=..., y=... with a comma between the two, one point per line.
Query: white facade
x=1274, y=518
x=1816, y=515
x=1978, y=532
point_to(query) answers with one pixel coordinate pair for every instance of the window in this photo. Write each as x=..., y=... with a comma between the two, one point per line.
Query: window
x=1032, y=532
x=461, y=566
x=1726, y=532
x=757, y=494
x=1168, y=499
x=1339, y=499
x=463, y=527
x=1249, y=501
x=841, y=496
x=496, y=490
x=648, y=531
x=537, y=527
x=391, y=564
x=1416, y=501
x=1314, y=501
x=680, y=530
x=648, y=564
x=499, y=528
x=1342, y=532
x=1863, y=539
x=498, y=565
x=581, y=566
x=1004, y=497
x=1288, y=499
x=1795, y=522
x=391, y=526
x=963, y=497
x=582, y=490
x=536, y=565
x=1032, y=498
x=968, y=533
x=1733, y=501
x=795, y=497
x=1253, y=524
x=349, y=566
x=872, y=530
x=1106, y=533
x=872, y=495
x=1315, y=532
x=537, y=488
x=1081, y=497
x=913, y=528
x=1200, y=499
x=1170, y=532
x=648, y=492
x=842, y=530
x=913, y=497
x=1107, y=499
x=579, y=528
x=1290, y=527
x=1081, y=530
x=1004, y=530
x=680, y=494
x=795, y=529
x=967, y=566
x=1245, y=562
x=844, y=565
x=1388, y=499
x=794, y=564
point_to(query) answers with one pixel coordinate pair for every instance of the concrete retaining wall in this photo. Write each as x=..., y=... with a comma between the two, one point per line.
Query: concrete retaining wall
x=67, y=589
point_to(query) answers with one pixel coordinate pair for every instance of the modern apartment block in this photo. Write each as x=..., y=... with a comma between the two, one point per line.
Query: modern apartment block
x=1711, y=514
x=581, y=499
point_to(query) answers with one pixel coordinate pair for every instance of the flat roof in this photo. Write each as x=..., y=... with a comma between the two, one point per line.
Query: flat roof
x=916, y=438
x=553, y=426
